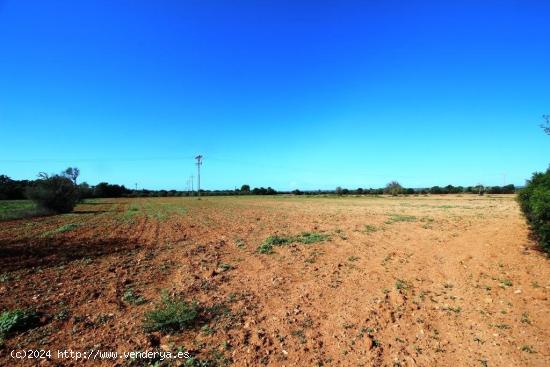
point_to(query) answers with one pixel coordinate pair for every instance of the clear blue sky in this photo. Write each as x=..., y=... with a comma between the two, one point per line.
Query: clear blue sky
x=288, y=94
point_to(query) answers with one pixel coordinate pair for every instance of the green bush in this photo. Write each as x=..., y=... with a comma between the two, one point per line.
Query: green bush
x=534, y=200
x=54, y=193
x=171, y=315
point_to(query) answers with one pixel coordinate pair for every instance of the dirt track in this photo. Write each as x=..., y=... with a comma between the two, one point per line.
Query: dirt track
x=417, y=281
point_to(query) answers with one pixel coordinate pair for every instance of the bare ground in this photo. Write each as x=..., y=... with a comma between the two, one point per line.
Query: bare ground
x=416, y=281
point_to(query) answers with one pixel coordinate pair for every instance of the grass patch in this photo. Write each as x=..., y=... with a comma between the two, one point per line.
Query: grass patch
x=17, y=209
x=400, y=218
x=17, y=320
x=266, y=247
x=65, y=228
x=171, y=315
x=310, y=237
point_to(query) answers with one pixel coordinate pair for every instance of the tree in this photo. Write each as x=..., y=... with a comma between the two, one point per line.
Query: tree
x=245, y=189
x=546, y=125
x=72, y=173
x=393, y=188
x=338, y=190
x=56, y=193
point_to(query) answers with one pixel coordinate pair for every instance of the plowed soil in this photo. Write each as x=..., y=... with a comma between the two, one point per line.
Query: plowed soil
x=400, y=281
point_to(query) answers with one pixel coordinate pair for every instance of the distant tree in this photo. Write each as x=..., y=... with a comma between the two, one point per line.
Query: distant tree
x=245, y=189
x=297, y=192
x=338, y=190
x=393, y=188
x=12, y=189
x=508, y=189
x=546, y=125
x=72, y=173
x=359, y=191
x=436, y=190
x=479, y=189
x=106, y=190
x=409, y=191
x=85, y=190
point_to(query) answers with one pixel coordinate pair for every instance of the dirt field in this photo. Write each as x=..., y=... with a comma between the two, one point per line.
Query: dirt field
x=417, y=281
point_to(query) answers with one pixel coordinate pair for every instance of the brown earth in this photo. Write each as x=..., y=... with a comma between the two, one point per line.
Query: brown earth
x=404, y=281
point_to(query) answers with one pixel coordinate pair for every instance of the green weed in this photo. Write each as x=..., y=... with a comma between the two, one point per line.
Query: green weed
x=171, y=315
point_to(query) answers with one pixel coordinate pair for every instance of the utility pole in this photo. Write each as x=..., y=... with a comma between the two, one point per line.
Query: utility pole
x=199, y=163
x=191, y=179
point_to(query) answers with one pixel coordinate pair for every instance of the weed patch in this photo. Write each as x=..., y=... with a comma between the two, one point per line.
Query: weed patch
x=305, y=237
x=17, y=320
x=171, y=315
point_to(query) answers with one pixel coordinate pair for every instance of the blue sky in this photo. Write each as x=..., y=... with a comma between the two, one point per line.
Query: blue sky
x=288, y=94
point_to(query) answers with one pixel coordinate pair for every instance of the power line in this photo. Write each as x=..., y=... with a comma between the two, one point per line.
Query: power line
x=128, y=159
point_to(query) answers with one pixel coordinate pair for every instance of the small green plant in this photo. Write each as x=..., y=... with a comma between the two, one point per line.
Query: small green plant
x=171, y=315
x=527, y=348
x=506, y=283
x=62, y=315
x=353, y=258
x=454, y=309
x=525, y=318
x=132, y=298
x=17, y=320
x=401, y=285
x=370, y=228
x=225, y=267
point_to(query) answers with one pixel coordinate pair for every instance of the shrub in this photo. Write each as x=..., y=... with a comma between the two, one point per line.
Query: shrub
x=171, y=315
x=54, y=193
x=534, y=201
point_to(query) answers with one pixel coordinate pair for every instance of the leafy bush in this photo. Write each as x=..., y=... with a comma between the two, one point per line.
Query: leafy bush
x=17, y=320
x=534, y=200
x=54, y=193
x=171, y=315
